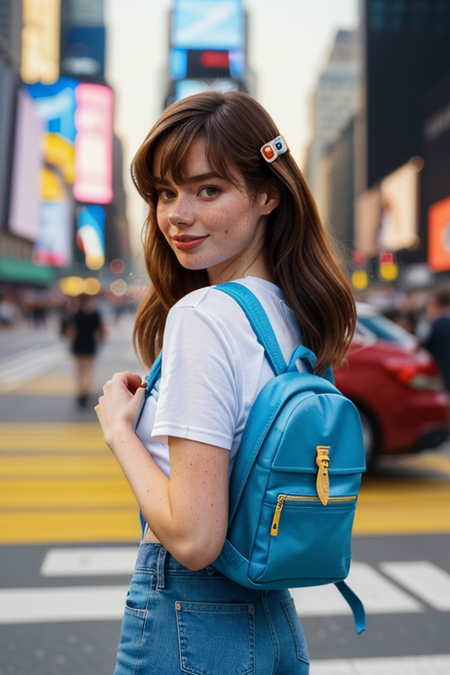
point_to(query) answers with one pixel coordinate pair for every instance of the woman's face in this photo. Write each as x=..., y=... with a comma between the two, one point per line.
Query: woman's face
x=210, y=223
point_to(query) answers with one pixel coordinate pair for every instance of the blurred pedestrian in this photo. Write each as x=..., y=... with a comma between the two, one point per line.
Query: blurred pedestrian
x=219, y=210
x=437, y=313
x=85, y=329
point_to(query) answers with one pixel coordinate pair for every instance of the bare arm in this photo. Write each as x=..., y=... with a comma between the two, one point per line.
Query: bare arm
x=188, y=512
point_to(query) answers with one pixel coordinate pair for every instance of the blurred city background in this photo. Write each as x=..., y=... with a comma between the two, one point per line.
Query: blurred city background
x=361, y=91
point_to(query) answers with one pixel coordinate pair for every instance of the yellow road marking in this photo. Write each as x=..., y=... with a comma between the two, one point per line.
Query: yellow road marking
x=25, y=467
x=39, y=494
x=60, y=483
x=37, y=527
x=48, y=385
x=45, y=437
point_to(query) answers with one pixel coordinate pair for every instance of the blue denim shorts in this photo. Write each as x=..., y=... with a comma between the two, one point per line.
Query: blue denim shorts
x=202, y=623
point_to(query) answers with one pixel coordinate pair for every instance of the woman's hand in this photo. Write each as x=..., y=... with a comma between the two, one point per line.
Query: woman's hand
x=119, y=407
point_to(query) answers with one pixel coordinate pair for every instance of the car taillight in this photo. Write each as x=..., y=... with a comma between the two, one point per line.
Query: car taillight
x=420, y=375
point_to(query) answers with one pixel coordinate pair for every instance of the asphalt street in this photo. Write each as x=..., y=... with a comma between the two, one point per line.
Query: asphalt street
x=69, y=533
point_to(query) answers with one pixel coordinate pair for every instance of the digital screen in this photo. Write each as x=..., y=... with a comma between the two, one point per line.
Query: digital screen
x=54, y=245
x=56, y=104
x=91, y=235
x=40, y=40
x=439, y=236
x=93, y=144
x=24, y=213
x=208, y=24
x=387, y=214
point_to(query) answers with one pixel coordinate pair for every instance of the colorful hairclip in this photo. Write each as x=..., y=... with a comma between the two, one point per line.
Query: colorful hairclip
x=272, y=149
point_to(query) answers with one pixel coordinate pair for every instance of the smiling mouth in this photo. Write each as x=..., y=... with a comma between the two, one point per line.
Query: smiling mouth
x=188, y=242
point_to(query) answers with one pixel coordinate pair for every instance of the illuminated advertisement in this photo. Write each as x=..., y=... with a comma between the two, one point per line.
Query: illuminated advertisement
x=25, y=191
x=207, y=39
x=91, y=235
x=84, y=51
x=40, y=40
x=54, y=245
x=439, y=236
x=387, y=214
x=93, y=144
x=56, y=104
x=206, y=24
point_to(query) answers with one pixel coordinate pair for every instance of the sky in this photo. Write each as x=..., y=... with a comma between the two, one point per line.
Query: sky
x=288, y=45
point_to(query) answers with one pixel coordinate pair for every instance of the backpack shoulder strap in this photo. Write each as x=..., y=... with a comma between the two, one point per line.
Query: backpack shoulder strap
x=257, y=317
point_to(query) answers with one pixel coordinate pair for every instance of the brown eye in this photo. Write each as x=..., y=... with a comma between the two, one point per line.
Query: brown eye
x=209, y=191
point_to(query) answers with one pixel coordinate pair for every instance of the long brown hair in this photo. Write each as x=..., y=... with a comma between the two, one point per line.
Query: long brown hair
x=299, y=255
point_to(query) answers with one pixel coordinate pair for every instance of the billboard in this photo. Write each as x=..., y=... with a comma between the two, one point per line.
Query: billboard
x=93, y=144
x=439, y=236
x=23, y=218
x=83, y=51
x=91, y=235
x=40, y=40
x=387, y=214
x=207, y=24
x=207, y=39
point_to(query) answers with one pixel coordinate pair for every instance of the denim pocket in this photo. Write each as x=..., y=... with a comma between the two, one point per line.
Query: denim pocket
x=296, y=629
x=216, y=638
x=138, y=594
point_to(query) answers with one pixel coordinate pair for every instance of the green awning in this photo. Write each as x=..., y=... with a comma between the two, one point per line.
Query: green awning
x=26, y=272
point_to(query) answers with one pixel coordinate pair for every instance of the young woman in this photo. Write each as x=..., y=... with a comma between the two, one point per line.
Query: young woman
x=218, y=211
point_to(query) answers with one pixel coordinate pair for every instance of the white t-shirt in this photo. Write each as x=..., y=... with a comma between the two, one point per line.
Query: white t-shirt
x=213, y=368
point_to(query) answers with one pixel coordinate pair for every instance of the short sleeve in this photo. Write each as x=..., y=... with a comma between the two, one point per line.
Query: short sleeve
x=198, y=395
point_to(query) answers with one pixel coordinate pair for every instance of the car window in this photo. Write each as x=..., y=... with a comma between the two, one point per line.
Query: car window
x=385, y=329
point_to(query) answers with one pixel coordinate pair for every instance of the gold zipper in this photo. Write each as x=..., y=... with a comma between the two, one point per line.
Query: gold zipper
x=299, y=498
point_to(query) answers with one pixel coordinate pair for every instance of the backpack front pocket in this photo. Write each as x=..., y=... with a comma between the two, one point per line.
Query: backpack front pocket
x=310, y=532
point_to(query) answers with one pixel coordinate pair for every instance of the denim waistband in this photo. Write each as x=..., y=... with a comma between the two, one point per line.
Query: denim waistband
x=153, y=557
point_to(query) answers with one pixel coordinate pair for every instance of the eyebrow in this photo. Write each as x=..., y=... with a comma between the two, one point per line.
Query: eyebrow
x=191, y=179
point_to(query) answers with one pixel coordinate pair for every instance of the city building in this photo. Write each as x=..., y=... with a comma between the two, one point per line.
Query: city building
x=406, y=55
x=334, y=102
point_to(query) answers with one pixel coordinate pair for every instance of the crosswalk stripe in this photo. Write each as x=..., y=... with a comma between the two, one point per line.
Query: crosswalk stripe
x=378, y=595
x=28, y=468
x=51, y=437
x=32, y=605
x=37, y=605
x=400, y=665
x=26, y=365
x=70, y=525
x=61, y=562
x=425, y=580
x=92, y=493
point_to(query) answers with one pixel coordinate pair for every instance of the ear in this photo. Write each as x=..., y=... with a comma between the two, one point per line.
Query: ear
x=268, y=198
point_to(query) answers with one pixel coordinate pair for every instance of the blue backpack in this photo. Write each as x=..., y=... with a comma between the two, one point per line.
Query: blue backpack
x=296, y=476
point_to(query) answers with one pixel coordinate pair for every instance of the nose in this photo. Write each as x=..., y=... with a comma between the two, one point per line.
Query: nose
x=182, y=211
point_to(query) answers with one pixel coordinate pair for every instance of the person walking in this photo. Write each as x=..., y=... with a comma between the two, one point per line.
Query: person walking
x=437, y=342
x=85, y=329
x=226, y=202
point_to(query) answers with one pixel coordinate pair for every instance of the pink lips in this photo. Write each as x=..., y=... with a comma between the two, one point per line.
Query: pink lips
x=187, y=243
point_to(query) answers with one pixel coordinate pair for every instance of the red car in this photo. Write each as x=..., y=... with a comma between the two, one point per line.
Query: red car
x=396, y=387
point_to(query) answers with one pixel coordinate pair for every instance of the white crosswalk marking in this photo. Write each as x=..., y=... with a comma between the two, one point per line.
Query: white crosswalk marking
x=409, y=665
x=84, y=603
x=378, y=595
x=28, y=364
x=60, y=562
x=425, y=580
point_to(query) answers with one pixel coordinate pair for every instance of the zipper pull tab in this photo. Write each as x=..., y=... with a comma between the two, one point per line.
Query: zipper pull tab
x=323, y=483
x=276, y=516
